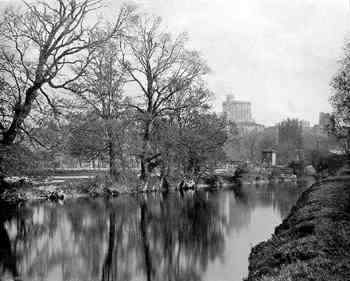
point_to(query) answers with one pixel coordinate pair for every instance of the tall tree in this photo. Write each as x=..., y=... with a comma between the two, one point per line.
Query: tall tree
x=40, y=43
x=163, y=69
x=243, y=146
x=200, y=144
x=85, y=139
x=100, y=91
x=290, y=139
x=168, y=132
x=340, y=120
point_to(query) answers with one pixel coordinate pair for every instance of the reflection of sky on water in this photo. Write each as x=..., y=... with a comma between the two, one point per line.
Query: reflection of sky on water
x=238, y=245
x=204, y=236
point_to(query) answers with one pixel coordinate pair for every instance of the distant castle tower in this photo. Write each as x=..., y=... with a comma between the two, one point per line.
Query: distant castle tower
x=237, y=111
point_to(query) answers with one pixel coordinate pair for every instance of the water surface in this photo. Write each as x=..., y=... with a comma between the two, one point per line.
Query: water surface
x=200, y=236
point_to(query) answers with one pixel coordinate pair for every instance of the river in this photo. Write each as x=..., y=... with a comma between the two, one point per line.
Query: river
x=199, y=236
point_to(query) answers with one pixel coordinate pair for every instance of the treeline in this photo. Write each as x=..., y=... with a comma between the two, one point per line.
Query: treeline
x=290, y=139
x=124, y=92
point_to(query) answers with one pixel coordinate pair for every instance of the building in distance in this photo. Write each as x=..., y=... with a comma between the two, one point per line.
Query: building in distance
x=240, y=112
x=237, y=111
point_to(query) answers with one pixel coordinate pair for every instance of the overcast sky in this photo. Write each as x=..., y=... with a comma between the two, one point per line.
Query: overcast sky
x=278, y=54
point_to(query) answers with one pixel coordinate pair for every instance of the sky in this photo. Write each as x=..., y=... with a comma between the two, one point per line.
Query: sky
x=278, y=54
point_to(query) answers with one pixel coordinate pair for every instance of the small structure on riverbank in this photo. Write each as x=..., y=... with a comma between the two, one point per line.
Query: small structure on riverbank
x=269, y=157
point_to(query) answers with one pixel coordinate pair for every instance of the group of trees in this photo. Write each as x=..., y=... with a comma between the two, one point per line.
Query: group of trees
x=247, y=145
x=289, y=139
x=122, y=91
x=63, y=85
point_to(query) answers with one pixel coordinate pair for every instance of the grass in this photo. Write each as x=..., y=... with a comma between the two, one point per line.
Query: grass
x=313, y=242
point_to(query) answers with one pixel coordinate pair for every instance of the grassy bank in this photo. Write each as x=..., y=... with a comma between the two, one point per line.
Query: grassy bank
x=66, y=184
x=313, y=242
x=71, y=184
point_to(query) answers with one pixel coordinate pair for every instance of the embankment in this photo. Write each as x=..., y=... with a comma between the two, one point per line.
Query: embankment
x=313, y=242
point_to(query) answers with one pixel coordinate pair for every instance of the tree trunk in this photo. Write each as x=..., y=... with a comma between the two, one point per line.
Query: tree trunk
x=113, y=171
x=21, y=112
x=164, y=185
x=142, y=169
x=145, y=148
x=347, y=147
x=123, y=163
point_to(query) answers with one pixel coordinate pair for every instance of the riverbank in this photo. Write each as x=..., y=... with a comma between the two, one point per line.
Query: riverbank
x=60, y=185
x=313, y=242
x=58, y=188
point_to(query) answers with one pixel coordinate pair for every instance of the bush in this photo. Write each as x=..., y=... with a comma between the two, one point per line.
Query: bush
x=328, y=162
x=16, y=159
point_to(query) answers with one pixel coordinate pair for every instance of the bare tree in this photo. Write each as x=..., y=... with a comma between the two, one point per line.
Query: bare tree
x=40, y=44
x=100, y=90
x=163, y=69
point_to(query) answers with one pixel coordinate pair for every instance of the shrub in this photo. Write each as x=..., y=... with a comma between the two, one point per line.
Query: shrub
x=329, y=162
x=16, y=159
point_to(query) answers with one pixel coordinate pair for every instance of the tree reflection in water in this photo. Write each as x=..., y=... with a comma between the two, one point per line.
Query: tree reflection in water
x=184, y=235
x=149, y=237
x=174, y=238
x=8, y=261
